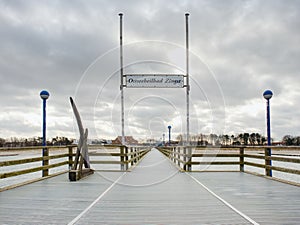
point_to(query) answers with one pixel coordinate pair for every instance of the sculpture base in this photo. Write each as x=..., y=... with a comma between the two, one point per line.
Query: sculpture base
x=75, y=175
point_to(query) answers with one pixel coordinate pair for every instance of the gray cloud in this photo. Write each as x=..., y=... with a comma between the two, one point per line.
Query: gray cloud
x=238, y=49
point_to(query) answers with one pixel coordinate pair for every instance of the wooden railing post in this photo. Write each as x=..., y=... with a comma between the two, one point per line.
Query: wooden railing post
x=140, y=154
x=242, y=162
x=132, y=156
x=70, y=157
x=178, y=156
x=268, y=162
x=174, y=154
x=189, y=158
x=136, y=154
x=122, y=156
x=126, y=158
x=45, y=162
x=184, y=158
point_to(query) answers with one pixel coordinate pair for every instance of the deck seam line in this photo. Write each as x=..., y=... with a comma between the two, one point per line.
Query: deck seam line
x=225, y=202
x=95, y=201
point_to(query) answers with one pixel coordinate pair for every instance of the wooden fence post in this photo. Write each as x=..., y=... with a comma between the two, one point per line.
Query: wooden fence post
x=268, y=162
x=122, y=156
x=184, y=158
x=126, y=158
x=45, y=162
x=178, y=156
x=70, y=157
x=131, y=156
x=174, y=154
x=136, y=155
x=242, y=163
x=189, y=158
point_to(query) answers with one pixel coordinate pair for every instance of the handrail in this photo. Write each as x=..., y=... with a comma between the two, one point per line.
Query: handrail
x=32, y=170
x=186, y=159
x=35, y=147
x=129, y=155
x=67, y=160
x=184, y=156
x=30, y=160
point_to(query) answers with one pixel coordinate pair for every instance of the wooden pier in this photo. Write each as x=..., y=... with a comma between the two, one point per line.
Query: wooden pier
x=153, y=191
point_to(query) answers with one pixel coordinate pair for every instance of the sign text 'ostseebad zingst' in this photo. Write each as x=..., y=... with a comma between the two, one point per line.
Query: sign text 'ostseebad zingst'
x=154, y=81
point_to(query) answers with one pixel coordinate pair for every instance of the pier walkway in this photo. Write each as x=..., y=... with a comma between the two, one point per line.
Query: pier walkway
x=154, y=192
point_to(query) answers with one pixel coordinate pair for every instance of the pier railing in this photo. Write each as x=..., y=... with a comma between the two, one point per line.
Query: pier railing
x=60, y=159
x=284, y=159
x=121, y=158
x=125, y=156
x=29, y=164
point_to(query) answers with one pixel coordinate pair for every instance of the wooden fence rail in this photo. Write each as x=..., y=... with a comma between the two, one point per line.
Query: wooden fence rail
x=185, y=157
x=128, y=156
x=45, y=166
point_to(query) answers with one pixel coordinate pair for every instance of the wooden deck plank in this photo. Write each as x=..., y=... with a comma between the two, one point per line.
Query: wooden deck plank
x=266, y=201
x=52, y=201
x=155, y=192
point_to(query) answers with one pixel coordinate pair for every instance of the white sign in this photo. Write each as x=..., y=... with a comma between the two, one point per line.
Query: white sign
x=155, y=81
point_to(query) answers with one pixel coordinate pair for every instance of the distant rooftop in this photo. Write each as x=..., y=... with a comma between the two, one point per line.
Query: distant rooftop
x=128, y=139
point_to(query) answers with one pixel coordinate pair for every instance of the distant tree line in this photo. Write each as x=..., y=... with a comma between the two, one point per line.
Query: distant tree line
x=239, y=139
x=199, y=139
x=290, y=140
x=34, y=141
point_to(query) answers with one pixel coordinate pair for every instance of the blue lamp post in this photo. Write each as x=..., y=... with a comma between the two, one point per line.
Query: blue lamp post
x=44, y=95
x=169, y=127
x=268, y=95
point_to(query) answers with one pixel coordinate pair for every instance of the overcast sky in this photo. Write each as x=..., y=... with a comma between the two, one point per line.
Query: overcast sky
x=238, y=49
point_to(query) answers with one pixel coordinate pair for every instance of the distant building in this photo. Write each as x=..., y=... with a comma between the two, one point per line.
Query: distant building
x=128, y=140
